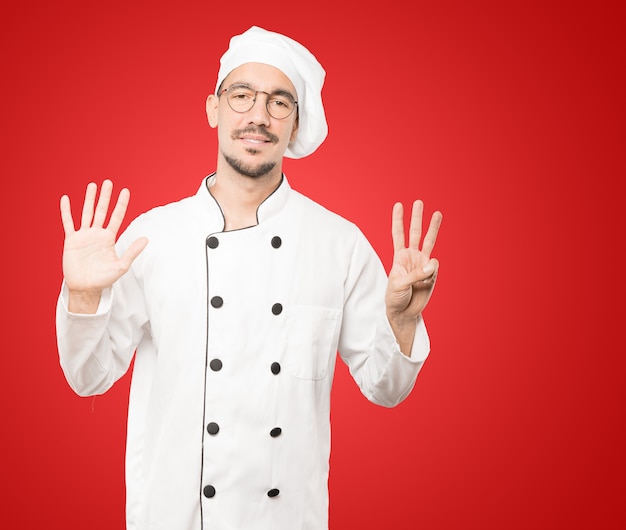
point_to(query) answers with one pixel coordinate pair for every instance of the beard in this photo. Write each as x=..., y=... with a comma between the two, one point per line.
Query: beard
x=249, y=170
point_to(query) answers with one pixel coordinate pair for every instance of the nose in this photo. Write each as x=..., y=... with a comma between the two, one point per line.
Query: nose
x=258, y=113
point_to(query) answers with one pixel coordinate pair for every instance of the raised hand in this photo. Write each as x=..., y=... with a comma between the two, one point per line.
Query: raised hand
x=413, y=272
x=90, y=262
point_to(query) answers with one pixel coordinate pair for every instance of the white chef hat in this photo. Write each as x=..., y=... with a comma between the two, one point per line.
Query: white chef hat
x=258, y=45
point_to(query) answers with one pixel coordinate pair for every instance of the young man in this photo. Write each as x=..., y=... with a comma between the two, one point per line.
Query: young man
x=234, y=303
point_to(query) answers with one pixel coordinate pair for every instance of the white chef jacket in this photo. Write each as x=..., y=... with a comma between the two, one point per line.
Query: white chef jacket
x=235, y=336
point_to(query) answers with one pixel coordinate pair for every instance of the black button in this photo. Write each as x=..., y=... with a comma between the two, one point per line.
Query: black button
x=276, y=431
x=275, y=368
x=212, y=242
x=213, y=428
x=277, y=309
x=209, y=491
x=216, y=365
x=217, y=301
x=273, y=492
x=276, y=241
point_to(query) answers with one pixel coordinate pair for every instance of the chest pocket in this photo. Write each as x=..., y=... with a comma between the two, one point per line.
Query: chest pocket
x=312, y=337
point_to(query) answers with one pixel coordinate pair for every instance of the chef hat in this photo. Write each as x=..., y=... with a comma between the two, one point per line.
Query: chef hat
x=302, y=68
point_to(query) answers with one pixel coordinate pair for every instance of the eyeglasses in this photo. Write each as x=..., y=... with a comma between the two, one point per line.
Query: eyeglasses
x=241, y=98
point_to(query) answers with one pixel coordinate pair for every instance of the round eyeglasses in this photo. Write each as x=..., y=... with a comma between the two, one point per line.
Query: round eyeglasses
x=241, y=98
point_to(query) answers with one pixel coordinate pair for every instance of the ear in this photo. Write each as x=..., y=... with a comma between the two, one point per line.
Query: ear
x=294, y=131
x=211, y=109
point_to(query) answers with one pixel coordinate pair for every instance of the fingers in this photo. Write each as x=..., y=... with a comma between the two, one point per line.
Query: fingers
x=66, y=215
x=415, y=228
x=90, y=198
x=431, y=236
x=102, y=207
x=96, y=216
x=120, y=210
x=397, y=226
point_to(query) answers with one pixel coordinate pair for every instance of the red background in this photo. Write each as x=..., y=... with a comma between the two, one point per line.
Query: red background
x=507, y=116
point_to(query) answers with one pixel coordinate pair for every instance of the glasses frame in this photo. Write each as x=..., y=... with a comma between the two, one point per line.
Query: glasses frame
x=256, y=92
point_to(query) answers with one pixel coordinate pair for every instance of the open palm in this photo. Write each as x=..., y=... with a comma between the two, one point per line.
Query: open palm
x=90, y=262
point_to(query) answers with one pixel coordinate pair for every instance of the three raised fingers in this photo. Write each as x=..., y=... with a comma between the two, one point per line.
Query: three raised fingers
x=415, y=228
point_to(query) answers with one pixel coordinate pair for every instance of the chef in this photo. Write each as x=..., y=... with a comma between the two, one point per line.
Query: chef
x=234, y=303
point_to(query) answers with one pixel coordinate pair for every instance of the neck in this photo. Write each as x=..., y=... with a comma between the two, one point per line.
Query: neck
x=239, y=196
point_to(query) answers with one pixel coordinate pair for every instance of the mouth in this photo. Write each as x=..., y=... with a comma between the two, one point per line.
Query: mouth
x=254, y=140
x=255, y=137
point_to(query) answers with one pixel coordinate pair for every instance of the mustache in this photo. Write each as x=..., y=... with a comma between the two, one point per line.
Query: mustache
x=255, y=130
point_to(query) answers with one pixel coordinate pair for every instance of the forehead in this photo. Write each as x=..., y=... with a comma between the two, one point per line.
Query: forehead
x=261, y=77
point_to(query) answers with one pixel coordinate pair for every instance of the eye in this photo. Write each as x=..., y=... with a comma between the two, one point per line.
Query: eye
x=280, y=102
x=240, y=93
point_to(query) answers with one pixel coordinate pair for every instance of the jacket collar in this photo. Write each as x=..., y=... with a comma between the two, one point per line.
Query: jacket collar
x=269, y=208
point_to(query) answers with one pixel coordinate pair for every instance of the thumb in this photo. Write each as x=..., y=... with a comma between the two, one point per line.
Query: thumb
x=427, y=272
x=134, y=249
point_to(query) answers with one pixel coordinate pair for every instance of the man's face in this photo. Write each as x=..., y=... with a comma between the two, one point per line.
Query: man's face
x=253, y=143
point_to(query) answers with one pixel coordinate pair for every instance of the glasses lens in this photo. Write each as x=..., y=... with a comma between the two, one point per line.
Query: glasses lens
x=280, y=107
x=240, y=98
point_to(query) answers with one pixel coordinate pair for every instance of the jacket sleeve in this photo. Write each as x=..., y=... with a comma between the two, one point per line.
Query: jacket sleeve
x=367, y=344
x=96, y=350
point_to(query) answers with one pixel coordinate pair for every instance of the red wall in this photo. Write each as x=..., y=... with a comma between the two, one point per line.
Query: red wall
x=507, y=116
